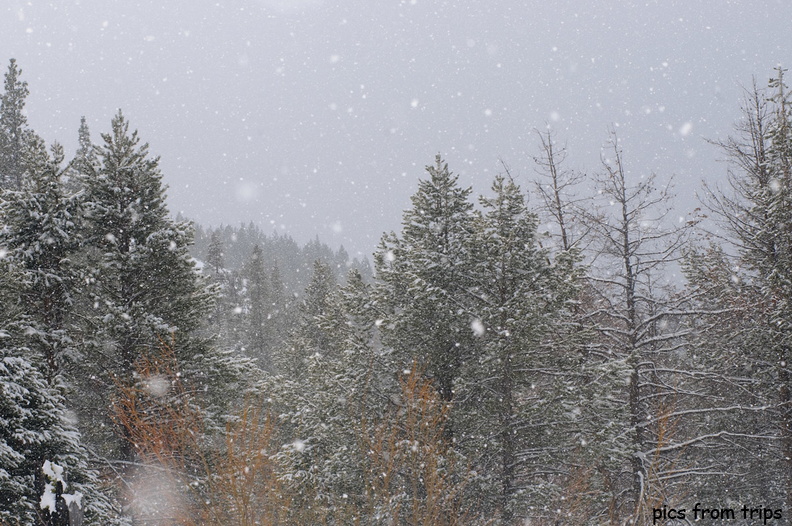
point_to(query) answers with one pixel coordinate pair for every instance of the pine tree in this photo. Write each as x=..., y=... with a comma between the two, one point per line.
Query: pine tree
x=586, y=376
x=214, y=255
x=333, y=384
x=421, y=279
x=508, y=403
x=34, y=422
x=83, y=161
x=258, y=309
x=33, y=428
x=145, y=289
x=308, y=336
x=640, y=324
x=41, y=237
x=147, y=282
x=14, y=132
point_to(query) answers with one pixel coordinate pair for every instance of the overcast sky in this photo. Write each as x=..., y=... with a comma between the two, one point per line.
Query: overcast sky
x=317, y=117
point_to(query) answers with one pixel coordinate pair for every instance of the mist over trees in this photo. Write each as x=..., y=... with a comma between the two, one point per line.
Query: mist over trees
x=525, y=356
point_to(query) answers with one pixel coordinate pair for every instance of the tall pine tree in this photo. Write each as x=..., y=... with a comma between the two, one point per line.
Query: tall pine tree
x=145, y=289
x=755, y=292
x=422, y=279
x=14, y=132
x=508, y=392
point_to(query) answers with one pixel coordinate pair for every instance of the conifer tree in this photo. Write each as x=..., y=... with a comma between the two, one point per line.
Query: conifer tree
x=214, y=255
x=640, y=324
x=145, y=289
x=41, y=237
x=33, y=428
x=83, y=161
x=508, y=402
x=421, y=279
x=34, y=422
x=147, y=283
x=334, y=385
x=281, y=308
x=258, y=309
x=14, y=132
x=308, y=336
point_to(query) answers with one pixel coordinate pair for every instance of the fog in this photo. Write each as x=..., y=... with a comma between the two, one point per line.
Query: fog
x=316, y=117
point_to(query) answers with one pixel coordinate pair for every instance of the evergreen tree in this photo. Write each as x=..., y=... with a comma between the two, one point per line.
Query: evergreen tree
x=14, y=132
x=308, y=336
x=41, y=237
x=147, y=283
x=509, y=405
x=641, y=329
x=258, y=309
x=281, y=308
x=422, y=279
x=83, y=161
x=333, y=385
x=214, y=255
x=145, y=289
x=33, y=428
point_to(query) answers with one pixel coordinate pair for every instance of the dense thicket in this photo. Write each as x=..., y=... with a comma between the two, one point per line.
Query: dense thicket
x=485, y=372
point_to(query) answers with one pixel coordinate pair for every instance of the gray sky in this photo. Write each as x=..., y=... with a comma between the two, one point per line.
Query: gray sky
x=318, y=116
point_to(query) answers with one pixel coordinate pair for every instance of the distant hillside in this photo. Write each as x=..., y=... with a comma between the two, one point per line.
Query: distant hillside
x=294, y=262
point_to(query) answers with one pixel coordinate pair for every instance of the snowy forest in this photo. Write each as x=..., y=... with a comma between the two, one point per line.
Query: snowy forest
x=572, y=352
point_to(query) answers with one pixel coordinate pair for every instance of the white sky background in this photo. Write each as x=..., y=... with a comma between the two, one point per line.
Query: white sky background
x=318, y=116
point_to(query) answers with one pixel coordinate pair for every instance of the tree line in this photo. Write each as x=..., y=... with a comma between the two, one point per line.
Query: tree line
x=502, y=363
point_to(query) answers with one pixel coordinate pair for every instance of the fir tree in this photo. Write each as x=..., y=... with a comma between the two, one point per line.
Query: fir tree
x=147, y=281
x=33, y=428
x=280, y=308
